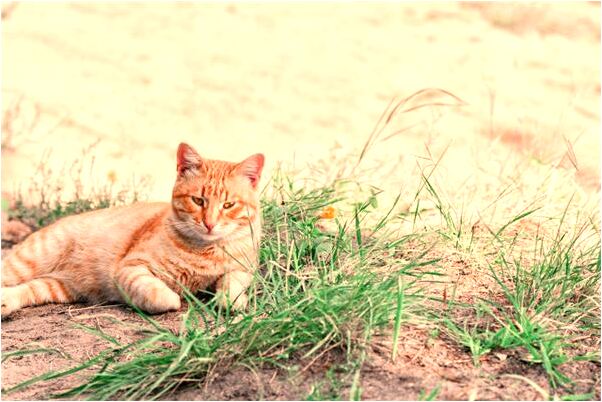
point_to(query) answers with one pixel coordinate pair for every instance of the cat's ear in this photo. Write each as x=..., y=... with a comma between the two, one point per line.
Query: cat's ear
x=251, y=168
x=188, y=159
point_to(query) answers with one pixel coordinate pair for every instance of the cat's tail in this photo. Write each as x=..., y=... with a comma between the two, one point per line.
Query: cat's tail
x=41, y=253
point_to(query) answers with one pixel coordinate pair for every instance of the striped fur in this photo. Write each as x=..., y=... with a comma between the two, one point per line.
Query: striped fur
x=207, y=236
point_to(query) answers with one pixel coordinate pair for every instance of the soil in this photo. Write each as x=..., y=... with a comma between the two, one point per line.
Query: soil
x=424, y=363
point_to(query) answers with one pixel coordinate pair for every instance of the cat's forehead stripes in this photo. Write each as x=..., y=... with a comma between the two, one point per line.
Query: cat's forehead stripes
x=209, y=181
x=217, y=168
x=212, y=188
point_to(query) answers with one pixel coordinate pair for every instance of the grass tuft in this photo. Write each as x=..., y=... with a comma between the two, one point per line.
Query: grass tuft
x=317, y=292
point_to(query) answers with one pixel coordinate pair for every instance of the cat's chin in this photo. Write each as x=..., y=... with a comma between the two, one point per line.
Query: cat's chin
x=210, y=237
x=215, y=236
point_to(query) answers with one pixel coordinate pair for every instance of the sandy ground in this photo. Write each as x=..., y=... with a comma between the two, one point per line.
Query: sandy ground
x=291, y=81
x=304, y=84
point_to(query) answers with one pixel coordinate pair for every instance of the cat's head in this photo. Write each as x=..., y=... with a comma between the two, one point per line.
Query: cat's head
x=213, y=200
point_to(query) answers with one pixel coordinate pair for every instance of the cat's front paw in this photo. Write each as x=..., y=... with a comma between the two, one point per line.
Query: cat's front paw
x=165, y=300
x=172, y=301
x=239, y=303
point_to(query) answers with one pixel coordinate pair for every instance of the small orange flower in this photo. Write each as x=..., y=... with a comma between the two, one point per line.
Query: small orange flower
x=112, y=176
x=328, y=212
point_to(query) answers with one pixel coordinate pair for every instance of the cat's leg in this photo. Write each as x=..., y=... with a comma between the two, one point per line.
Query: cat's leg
x=231, y=289
x=35, y=292
x=145, y=290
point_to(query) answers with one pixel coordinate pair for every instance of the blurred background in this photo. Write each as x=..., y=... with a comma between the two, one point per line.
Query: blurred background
x=304, y=83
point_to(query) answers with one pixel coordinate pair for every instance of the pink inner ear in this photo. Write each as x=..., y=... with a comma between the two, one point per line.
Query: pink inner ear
x=252, y=167
x=187, y=158
x=181, y=150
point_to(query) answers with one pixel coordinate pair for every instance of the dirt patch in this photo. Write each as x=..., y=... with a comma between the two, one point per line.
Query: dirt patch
x=54, y=327
x=424, y=363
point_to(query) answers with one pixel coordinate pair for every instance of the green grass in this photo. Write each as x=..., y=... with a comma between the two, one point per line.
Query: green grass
x=431, y=395
x=546, y=294
x=47, y=199
x=546, y=302
x=45, y=214
x=328, y=388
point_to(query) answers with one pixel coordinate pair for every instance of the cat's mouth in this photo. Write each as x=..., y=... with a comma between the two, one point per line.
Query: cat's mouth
x=196, y=232
x=215, y=234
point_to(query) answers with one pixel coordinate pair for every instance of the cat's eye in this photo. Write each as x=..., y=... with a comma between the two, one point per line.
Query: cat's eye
x=198, y=201
x=228, y=205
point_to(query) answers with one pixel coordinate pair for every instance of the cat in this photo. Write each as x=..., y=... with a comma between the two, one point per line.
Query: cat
x=208, y=236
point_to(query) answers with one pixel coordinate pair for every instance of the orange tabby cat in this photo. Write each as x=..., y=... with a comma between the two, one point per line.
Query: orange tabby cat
x=208, y=235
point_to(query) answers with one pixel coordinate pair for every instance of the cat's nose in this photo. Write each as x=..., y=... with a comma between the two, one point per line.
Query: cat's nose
x=209, y=226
